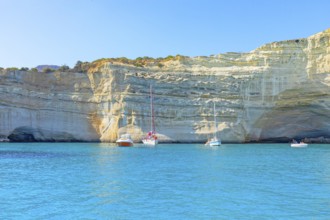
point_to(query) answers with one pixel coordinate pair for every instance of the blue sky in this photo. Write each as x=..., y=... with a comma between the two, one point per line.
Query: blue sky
x=35, y=32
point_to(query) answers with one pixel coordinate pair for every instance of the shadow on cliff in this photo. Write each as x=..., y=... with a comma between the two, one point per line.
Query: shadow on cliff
x=299, y=113
x=29, y=134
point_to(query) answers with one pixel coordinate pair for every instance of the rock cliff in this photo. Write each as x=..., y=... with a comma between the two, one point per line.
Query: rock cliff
x=276, y=92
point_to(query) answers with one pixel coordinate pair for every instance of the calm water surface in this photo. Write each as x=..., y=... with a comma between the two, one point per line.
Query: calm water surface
x=101, y=181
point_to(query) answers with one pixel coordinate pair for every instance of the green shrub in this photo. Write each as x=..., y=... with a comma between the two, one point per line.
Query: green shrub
x=48, y=70
x=81, y=67
x=64, y=68
x=138, y=64
x=24, y=69
x=12, y=68
x=170, y=57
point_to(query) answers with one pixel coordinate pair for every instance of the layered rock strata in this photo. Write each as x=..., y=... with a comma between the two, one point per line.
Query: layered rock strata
x=277, y=92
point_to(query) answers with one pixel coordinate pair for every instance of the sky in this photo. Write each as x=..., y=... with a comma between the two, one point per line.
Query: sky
x=62, y=32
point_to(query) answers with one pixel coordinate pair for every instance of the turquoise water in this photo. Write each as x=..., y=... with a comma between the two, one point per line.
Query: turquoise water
x=185, y=181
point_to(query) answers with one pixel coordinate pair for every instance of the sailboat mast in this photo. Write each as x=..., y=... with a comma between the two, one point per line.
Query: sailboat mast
x=152, y=117
x=215, y=120
x=150, y=108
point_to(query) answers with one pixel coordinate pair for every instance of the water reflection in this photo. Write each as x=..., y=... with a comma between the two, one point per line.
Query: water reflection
x=30, y=154
x=170, y=181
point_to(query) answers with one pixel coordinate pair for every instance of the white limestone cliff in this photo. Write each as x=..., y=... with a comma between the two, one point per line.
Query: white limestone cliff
x=277, y=92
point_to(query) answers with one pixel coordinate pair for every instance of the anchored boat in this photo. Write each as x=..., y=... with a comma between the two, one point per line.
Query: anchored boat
x=125, y=141
x=300, y=144
x=214, y=141
x=151, y=138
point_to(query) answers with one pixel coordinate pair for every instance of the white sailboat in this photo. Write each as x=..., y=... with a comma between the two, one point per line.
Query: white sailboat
x=151, y=138
x=214, y=141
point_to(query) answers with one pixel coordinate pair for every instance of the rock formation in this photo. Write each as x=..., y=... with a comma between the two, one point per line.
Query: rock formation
x=277, y=92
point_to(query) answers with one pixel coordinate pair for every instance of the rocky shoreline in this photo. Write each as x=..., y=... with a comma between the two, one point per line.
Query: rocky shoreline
x=274, y=93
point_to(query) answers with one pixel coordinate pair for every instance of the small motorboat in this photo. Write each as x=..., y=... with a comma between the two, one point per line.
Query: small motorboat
x=125, y=141
x=300, y=144
x=4, y=140
x=213, y=142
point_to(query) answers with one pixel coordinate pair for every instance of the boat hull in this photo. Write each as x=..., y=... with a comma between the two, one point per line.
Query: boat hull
x=124, y=144
x=151, y=142
x=299, y=145
x=215, y=143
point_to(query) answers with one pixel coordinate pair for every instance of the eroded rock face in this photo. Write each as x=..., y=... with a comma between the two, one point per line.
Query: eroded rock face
x=277, y=92
x=29, y=134
x=56, y=102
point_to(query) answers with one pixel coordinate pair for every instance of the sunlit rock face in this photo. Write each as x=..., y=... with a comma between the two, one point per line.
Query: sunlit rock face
x=53, y=106
x=277, y=92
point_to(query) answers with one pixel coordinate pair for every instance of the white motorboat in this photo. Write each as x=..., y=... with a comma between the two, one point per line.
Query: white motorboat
x=125, y=141
x=300, y=144
x=4, y=140
x=213, y=142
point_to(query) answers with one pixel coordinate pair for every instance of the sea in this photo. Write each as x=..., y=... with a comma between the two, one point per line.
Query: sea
x=169, y=181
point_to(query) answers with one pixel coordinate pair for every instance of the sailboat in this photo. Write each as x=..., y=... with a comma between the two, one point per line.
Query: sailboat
x=151, y=138
x=214, y=141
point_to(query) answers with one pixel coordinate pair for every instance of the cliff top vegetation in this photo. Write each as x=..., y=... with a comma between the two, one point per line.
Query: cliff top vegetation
x=84, y=67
